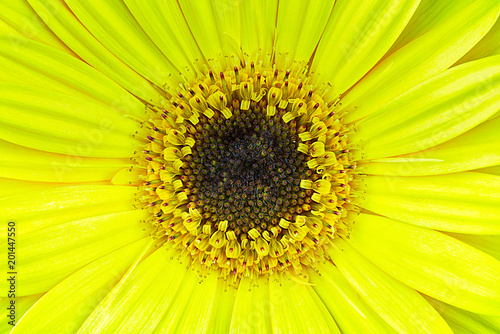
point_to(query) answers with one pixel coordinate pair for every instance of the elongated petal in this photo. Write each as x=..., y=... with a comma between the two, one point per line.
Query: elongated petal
x=35, y=210
x=350, y=311
x=22, y=163
x=490, y=244
x=251, y=313
x=463, y=202
x=151, y=286
x=71, y=31
x=477, y=148
x=489, y=45
x=299, y=25
x=495, y=170
x=28, y=61
x=430, y=262
x=357, y=35
x=422, y=58
x=438, y=110
x=462, y=321
x=40, y=119
x=220, y=319
x=22, y=305
x=51, y=254
x=164, y=23
x=400, y=306
x=115, y=27
x=258, y=25
x=20, y=15
x=9, y=187
x=79, y=293
x=186, y=315
x=286, y=317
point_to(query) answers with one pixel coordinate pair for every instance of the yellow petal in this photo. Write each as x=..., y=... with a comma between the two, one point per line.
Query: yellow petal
x=75, y=35
x=477, y=148
x=51, y=254
x=19, y=14
x=9, y=187
x=358, y=34
x=115, y=27
x=422, y=58
x=186, y=315
x=129, y=306
x=79, y=293
x=258, y=20
x=435, y=111
x=41, y=65
x=60, y=123
x=220, y=319
x=430, y=262
x=350, y=311
x=164, y=23
x=463, y=202
x=489, y=45
x=39, y=209
x=490, y=244
x=21, y=306
x=400, y=306
x=22, y=163
x=462, y=321
x=287, y=317
x=299, y=26
x=251, y=313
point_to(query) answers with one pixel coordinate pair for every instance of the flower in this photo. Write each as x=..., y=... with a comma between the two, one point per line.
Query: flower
x=250, y=166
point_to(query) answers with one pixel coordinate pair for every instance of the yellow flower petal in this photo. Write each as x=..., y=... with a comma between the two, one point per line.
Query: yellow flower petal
x=9, y=187
x=20, y=15
x=350, y=311
x=164, y=23
x=115, y=27
x=157, y=283
x=60, y=123
x=41, y=65
x=430, y=262
x=462, y=321
x=464, y=202
x=22, y=305
x=477, y=148
x=51, y=254
x=400, y=306
x=489, y=45
x=438, y=110
x=34, y=210
x=18, y=162
x=288, y=300
x=301, y=25
x=74, y=34
x=357, y=35
x=422, y=58
x=257, y=25
x=495, y=170
x=490, y=244
x=79, y=293
x=251, y=312
x=220, y=319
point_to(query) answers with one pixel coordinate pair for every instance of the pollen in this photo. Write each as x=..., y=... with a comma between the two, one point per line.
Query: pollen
x=248, y=171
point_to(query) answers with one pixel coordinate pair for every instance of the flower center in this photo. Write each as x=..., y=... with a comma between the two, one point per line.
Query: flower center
x=247, y=171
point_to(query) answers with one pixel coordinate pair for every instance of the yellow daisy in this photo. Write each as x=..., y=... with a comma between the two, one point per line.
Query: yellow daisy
x=250, y=166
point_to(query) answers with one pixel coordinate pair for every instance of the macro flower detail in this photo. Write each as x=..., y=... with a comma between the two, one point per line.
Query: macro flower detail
x=250, y=166
x=247, y=171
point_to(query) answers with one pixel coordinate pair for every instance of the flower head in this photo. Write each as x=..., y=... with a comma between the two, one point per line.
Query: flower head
x=251, y=166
